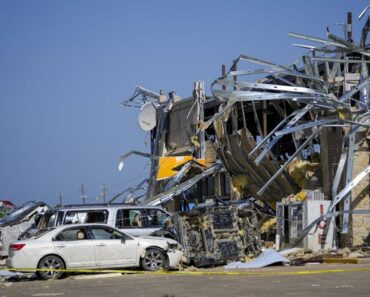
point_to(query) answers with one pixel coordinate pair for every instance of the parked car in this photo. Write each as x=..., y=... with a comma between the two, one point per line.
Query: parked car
x=132, y=219
x=92, y=246
x=17, y=221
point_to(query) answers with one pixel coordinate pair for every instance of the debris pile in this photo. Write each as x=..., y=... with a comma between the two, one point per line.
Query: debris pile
x=299, y=256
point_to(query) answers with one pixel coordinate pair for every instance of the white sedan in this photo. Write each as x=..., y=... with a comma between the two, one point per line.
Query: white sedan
x=92, y=246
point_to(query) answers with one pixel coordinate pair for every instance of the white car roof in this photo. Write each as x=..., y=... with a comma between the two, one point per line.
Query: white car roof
x=61, y=227
x=102, y=207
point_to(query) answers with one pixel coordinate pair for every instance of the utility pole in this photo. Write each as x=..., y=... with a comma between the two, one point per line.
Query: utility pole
x=103, y=193
x=60, y=199
x=349, y=26
x=83, y=195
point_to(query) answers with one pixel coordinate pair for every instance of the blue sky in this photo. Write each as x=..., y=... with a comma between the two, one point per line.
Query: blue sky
x=66, y=65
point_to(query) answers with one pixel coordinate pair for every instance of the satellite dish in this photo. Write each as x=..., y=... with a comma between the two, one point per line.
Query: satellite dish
x=147, y=118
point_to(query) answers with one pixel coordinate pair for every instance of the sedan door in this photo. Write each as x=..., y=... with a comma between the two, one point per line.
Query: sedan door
x=113, y=248
x=75, y=247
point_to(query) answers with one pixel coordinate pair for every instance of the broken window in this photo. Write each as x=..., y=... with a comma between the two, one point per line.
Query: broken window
x=155, y=218
x=129, y=218
x=80, y=217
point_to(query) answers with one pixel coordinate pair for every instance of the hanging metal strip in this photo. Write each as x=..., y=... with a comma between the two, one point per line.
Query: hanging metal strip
x=316, y=39
x=267, y=138
x=339, y=60
x=292, y=122
x=305, y=126
x=348, y=95
x=338, y=174
x=348, y=188
x=171, y=193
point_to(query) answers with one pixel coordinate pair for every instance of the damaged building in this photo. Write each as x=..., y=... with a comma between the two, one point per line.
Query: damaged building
x=283, y=135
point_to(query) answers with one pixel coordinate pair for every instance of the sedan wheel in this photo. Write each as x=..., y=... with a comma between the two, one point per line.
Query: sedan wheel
x=50, y=262
x=153, y=260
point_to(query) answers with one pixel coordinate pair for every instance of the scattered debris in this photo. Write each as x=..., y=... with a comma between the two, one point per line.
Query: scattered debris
x=5, y=274
x=267, y=258
x=340, y=261
x=356, y=254
x=10, y=276
x=299, y=256
x=293, y=252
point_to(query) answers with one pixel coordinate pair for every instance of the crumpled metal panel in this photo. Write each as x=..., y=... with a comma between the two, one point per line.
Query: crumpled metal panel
x=266, y=258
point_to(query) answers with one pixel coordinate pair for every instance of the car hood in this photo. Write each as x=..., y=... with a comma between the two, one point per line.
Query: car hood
x=159, y=241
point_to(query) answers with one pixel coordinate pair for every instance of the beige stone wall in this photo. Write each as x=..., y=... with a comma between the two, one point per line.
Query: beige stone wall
x=360, y=224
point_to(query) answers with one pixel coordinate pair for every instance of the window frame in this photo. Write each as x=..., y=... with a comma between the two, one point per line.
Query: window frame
x=85, y=211
x=137, y=210
x=55, y=238
x=106, y=227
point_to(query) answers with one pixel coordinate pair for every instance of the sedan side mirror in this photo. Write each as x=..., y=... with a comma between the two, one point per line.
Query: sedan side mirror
x=123, y=240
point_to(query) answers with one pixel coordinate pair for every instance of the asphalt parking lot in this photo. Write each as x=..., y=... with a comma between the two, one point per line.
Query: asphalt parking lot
x=317, y=280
